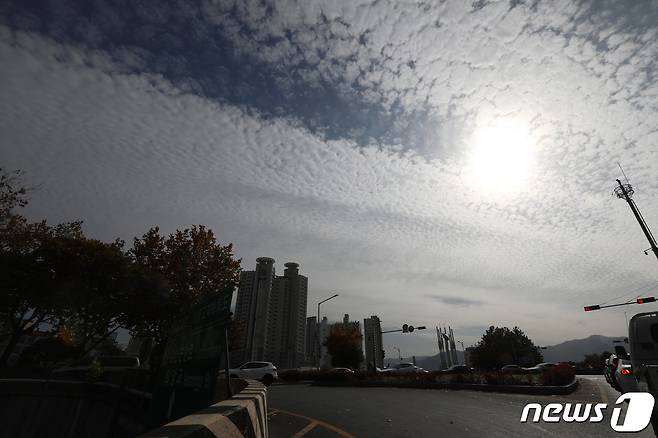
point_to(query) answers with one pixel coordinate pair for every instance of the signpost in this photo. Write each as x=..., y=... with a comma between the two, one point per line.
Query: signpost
x=196, y=347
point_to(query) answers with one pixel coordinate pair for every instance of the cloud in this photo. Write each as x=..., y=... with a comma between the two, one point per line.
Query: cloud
x=455, y=301
x=338, y=135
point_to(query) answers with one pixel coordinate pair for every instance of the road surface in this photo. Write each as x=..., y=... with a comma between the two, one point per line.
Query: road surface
x=301, y=410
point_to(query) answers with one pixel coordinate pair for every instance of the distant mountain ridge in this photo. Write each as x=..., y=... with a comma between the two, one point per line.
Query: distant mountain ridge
x=576, y=349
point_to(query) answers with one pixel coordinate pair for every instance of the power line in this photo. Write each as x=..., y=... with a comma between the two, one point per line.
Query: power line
x=622, y=172
x=649, y=287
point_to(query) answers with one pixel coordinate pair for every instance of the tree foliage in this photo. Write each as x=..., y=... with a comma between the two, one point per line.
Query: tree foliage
x=12, y=194
x=594, y=363
x=192, y=264
x=29, y=277
x=501, y=346
x=100, y=288
x=85, y=289
x=344, y=346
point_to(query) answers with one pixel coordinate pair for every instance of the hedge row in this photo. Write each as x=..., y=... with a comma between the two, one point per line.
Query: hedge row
x=552, y=377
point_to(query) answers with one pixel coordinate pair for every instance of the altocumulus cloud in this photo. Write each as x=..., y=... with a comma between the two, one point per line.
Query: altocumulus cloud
x=337, y=135
x=455, y=301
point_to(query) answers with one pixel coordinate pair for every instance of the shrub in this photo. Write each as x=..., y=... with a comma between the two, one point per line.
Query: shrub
x=462, y=378
x=493, y=378
x=558, y=376
x=290, y=375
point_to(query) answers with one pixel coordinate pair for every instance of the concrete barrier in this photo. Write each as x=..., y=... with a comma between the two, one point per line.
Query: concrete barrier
x=243, y=415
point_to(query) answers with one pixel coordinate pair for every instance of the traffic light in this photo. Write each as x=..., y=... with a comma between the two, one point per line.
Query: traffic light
x=646, y=300
x=594, y=307
x=406, y=328
x=383, y=354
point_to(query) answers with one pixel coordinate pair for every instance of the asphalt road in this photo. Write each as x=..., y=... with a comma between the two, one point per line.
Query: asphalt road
x=303, y=410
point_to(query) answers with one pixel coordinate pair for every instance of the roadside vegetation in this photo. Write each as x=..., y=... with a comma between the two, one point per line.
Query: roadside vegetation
x=77, y=292
x=558, y=376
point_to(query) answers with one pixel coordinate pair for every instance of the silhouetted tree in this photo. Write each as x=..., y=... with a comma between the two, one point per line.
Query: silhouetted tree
x=55, y=275
x=101, y=290
x=29, y=277
x=501, y=346
x=344, y=346
x=192, y=264
x=12, y=195
x=87, y=289
x=594, y=363
x=52, y=349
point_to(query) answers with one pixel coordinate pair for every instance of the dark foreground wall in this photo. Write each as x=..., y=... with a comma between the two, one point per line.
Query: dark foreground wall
x=31, y=408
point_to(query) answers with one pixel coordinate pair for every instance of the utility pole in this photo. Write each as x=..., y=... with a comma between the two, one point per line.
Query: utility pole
x=625, y=191
x=399, y=354
x=463, y=349
x=317, y=332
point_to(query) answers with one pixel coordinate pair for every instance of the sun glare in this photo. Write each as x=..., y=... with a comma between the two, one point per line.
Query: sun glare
x=501, y=158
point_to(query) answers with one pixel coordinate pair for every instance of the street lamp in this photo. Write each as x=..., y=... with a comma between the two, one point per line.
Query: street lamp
x=317, y=331
x=463, y=357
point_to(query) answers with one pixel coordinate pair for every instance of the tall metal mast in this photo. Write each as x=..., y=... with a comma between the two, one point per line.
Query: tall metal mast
x=625, y=191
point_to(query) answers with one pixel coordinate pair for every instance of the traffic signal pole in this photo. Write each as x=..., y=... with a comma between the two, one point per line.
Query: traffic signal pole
x=626, y=191
x=406, y=328
x=638, y=301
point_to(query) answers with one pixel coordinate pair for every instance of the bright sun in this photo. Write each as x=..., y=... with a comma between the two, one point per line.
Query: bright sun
x=501, y=158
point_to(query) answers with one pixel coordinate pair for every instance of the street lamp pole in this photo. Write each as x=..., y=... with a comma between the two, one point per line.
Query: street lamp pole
x=399, y=354
x=463, y=357
x=317, y=331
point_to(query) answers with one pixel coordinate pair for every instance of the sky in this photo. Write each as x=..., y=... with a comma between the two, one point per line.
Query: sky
x=432, y=162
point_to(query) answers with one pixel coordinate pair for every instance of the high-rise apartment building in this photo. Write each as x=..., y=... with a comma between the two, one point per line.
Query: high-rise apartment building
x=271, y=314
x=287, y=319
x=347, y=324
x=251, y=310
x=373, y=342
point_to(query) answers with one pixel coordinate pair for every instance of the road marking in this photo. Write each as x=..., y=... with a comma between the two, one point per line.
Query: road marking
x=314, y=422
x=305, y=430
x=603, y=390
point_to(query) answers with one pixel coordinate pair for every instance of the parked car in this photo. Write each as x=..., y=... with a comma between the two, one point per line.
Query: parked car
x=263, y=371
x=623, y=372
x=460, y=369
x=569, y=365
x=404, y=367
x=541, y=367
x=340, y=370
x=512, y=368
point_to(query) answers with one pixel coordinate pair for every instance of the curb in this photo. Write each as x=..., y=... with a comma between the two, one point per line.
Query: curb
x=243, y=415
x=510, y=389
